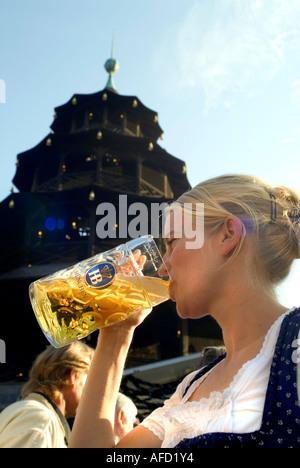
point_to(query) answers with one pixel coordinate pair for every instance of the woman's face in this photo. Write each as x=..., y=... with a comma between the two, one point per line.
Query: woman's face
x=193, y=272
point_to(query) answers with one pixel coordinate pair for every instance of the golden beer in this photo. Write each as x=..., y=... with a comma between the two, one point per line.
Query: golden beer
x=62, y=311
x=99, y=291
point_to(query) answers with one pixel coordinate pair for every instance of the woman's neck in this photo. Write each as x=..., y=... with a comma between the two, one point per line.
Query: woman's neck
x=246, y=319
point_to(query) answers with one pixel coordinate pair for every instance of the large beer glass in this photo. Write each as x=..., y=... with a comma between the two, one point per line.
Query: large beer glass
x=100, y=291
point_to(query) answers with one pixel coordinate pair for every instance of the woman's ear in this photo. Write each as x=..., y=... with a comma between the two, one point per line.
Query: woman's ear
x=231, y=233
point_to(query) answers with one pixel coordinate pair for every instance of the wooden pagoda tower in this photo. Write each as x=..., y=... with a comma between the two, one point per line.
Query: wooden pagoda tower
x=100, y=145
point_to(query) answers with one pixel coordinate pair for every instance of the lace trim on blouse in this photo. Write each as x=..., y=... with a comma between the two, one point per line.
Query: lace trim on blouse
x=180, y=418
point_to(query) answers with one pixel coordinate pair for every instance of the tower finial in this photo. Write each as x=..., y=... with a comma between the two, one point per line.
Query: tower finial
x=111, y=66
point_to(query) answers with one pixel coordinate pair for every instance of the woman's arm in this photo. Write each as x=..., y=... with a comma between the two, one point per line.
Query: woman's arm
x=94, y=422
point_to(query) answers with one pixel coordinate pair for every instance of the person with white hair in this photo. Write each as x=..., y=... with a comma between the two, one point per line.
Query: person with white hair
x=125, y=416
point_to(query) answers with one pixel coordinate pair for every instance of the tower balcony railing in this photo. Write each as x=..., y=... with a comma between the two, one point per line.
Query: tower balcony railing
x=118, y=182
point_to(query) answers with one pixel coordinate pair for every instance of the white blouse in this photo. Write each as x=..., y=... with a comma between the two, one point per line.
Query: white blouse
x=238, y=409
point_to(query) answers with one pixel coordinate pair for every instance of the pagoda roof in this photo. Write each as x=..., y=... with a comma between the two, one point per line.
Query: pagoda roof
x=125, y=146
x=135, y=110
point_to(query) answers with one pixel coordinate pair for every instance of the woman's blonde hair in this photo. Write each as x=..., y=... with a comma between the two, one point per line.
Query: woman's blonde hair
x=51, y=370
x=270, y=213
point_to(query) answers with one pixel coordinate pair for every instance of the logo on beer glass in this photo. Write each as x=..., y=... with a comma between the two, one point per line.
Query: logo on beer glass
x=100, y=275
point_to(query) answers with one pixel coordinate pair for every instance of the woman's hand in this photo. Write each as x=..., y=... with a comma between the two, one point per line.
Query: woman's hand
x=125, y=327
x=140, y=259
x=127, y=267
x=135, y=319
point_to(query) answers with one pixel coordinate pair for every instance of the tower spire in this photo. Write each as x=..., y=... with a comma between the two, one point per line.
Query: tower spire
x=111, y=66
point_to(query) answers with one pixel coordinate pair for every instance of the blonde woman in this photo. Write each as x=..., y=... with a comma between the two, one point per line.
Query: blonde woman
x=51, y=395
x=250, y=396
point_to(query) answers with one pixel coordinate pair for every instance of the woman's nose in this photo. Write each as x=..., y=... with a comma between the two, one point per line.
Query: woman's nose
x=163, y=270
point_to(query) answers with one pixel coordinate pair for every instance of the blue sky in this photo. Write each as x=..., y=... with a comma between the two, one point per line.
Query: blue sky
x=223, y=75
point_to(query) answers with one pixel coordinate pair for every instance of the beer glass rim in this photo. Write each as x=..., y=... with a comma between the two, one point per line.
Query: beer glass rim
x=149, y=238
